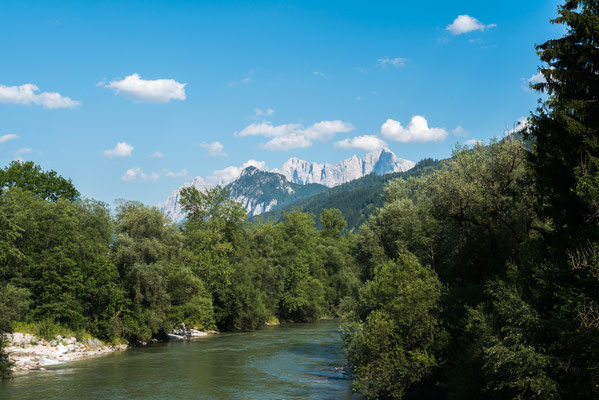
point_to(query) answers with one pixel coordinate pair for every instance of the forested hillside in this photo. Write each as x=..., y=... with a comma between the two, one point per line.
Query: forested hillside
x=481, y=279
x=357, y=199
x=67, y=263
x=477, y=277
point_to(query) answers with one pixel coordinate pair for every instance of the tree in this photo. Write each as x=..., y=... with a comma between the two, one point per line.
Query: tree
x=392, y=344
x=14, y=303
x=146, y=247
x=565, y=129
x=333, y=222
x=48, y=185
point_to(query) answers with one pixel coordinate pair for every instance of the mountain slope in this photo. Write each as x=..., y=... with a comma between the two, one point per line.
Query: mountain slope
x=260, y=191
x=357, y=199
x=379, y=161
x=171, y=208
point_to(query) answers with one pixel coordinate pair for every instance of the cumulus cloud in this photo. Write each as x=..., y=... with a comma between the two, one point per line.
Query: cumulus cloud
x=157, y=154
x=6, y=138
x=537, y=78
x=465, y=23
x=21, y=152
x=214, y=148
x=292, y=136
x=366, y=143
x=171, y=174
x=141, y=90
x=264, y=113
x=137, y=175
x=122, y=149
x=30, y=94
x=416, y=131
x=521, y=124
x=229, y=174
x=460, y=131
x=292, y=141
x=394, y=62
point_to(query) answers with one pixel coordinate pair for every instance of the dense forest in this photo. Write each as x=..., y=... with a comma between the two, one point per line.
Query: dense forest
x=357, y=200
x=476, y=277
x=482, y=279
x=67, y=263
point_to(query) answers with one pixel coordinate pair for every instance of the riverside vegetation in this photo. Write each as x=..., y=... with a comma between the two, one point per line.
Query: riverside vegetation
x=477, y=279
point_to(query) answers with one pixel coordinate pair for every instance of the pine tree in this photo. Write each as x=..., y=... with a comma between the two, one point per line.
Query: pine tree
x=565, y=130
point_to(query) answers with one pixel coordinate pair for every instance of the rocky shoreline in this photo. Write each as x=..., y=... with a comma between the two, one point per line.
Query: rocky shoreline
x=29, y=352
x=184, y=333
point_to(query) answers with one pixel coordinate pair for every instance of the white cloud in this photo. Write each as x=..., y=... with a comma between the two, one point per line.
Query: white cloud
x=460, y=131
x=264, y=113
x=138, y=175
x=292, y=136
x=395, y=62
x=465, y=23
x=416, y=131
x=366, y=143
x=214, y=148
x=141, y=90
x=325, y=130
x=537, y=78
x=6, y=138
x=521, y=124
x=157, y=154
x=244, y=81
x=229, y=174
x=318, y=73
x=473, y=142
x=122, y=149
x=171, y=174
x=21, y=152
x=28, y=94
x=266, y=129
x=292, y=141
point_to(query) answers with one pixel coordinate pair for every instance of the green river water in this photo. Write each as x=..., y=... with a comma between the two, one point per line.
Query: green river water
x=295, y=361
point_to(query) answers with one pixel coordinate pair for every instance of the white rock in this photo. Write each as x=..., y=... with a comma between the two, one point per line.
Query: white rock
x=378, y=161
x=62, y=348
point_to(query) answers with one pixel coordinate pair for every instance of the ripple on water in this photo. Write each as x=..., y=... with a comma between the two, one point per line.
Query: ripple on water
x=297, y=361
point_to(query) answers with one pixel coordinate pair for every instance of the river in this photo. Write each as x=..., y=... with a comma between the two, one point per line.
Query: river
x=294, y=361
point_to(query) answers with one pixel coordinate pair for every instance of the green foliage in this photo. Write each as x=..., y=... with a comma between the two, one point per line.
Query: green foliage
x=14, y=304
x=29, y=176
x=519, y=310
x=5, y=363
x=565, y=128
x=392, y=345
x=333, y=222
x=357, y=200
x=265, y=187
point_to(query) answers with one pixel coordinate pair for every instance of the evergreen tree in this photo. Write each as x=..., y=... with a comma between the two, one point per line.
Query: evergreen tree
x=565, y=130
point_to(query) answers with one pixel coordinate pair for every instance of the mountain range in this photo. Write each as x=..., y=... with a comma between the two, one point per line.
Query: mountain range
x=263, y=191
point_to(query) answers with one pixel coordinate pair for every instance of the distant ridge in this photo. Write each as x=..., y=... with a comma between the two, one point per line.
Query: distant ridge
x=357, y=199
x=379, y=161
x=263, y=191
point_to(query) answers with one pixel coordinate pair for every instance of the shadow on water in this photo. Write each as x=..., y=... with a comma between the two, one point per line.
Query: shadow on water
x=296, y=361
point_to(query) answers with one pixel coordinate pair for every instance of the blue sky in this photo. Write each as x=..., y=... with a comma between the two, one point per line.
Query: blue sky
x=132, y=96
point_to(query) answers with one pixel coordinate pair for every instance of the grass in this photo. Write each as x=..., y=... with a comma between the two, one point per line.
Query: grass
x=48, y=329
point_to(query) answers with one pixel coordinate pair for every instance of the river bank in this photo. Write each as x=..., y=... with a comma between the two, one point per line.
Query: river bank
x=290, y=361
x=29, y=352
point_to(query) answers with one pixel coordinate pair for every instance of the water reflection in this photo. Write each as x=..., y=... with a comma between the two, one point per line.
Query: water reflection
x=300, y=361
